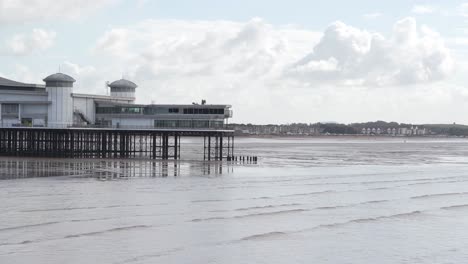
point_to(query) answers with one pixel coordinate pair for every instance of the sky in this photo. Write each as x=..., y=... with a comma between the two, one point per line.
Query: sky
x=275, y=62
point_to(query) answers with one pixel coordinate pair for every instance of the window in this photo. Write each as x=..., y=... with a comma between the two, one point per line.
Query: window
x=217, y=124
x=166, y=123
x=173, y=110
x=149, y=111
x=131, y=110
x=106, y=110
x=10, y=109
x=201, y=123
x=203, y=111
x=185, y=123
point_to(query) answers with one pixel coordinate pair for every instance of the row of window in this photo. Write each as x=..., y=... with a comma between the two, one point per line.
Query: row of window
x=203, y=111
x=123, y=89
x=188, y=123
x=119, y=110
x=158, y=110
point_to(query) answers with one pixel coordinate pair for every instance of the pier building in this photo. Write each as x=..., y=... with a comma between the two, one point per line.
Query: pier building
x=51, y=120
x=54, y=104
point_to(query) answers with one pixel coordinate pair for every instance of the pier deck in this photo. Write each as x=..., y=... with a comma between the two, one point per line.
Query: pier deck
x=161, y=144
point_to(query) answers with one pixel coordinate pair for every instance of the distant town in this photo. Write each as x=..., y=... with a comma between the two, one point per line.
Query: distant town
x=378, y=128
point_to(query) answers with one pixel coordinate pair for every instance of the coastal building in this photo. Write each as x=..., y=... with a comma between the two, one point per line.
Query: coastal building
x=55, y=104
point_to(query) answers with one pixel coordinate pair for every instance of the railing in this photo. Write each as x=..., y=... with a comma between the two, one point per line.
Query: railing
x=82, y=116
x=118, y=126
x=148, y=127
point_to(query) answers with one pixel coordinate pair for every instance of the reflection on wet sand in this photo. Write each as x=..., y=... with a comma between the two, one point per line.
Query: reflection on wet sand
x=107, y=169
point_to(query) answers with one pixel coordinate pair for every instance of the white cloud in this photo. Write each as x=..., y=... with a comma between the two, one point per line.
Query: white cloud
x=374, y=15
x=114, y=42
x=423, y=9
x=88, y=78
x=458, y=41
x=410, y=55
x=168, y=49
x=31, y=10
x=265, y=69
x=176, y=61
x=463, y=9
x=37, y=40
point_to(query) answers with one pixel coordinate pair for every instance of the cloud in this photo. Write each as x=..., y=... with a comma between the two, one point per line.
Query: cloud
x=371, y=16
x=88, y=78
x=158, y=49
x=423, y=9
x=114, y=42
x=20, y=11
x=274, y=73
x=176, y=61
x=463, y=9
x=348, y=55
x=36, y=41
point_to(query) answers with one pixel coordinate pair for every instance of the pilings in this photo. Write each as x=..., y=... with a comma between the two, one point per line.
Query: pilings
x=109, y=143
x=244, y=159
x=218, y=146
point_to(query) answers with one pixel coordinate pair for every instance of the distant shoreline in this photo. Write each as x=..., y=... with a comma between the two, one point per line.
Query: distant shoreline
x=352, y=136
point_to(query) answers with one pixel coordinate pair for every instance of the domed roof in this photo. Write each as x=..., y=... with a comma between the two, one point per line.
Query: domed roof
x=59, y=77
x=122, y=83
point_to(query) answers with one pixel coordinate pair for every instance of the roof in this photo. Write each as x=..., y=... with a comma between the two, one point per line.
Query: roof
x=7, y=85
x=59, y=77
x=102, y=97
x=113, y=103
x=122, y=83
x=10, y=83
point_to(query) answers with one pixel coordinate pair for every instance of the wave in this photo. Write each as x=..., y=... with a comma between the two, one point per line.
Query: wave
x=376, y=201
x=27, y=226
x=118, y=229
x=150, y=256
x=381, y=188
x=438, y=195
x=267, y=206
x=276, y=234
x=452, y=207
x=77, y=235
x=249, y=215
x=381, y=181
x=373, y=219
x=133, y=205
x=331, y=207
x=434, y=182
x=207, y=201
x=268, y=235
x=306, y=194
x=86, y=208
x=57, y=209
x=238, y=199
x=350, y=205
x=261, y=198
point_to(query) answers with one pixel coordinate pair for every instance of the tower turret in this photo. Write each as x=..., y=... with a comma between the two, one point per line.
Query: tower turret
x=123, y=88
x=59, y=87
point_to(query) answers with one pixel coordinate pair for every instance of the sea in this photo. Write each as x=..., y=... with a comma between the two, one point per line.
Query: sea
x=306, y=200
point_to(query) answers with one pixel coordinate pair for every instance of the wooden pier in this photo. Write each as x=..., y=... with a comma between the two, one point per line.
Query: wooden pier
x=163, y=144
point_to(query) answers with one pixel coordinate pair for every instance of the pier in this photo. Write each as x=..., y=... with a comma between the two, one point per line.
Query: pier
x=102, y=143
